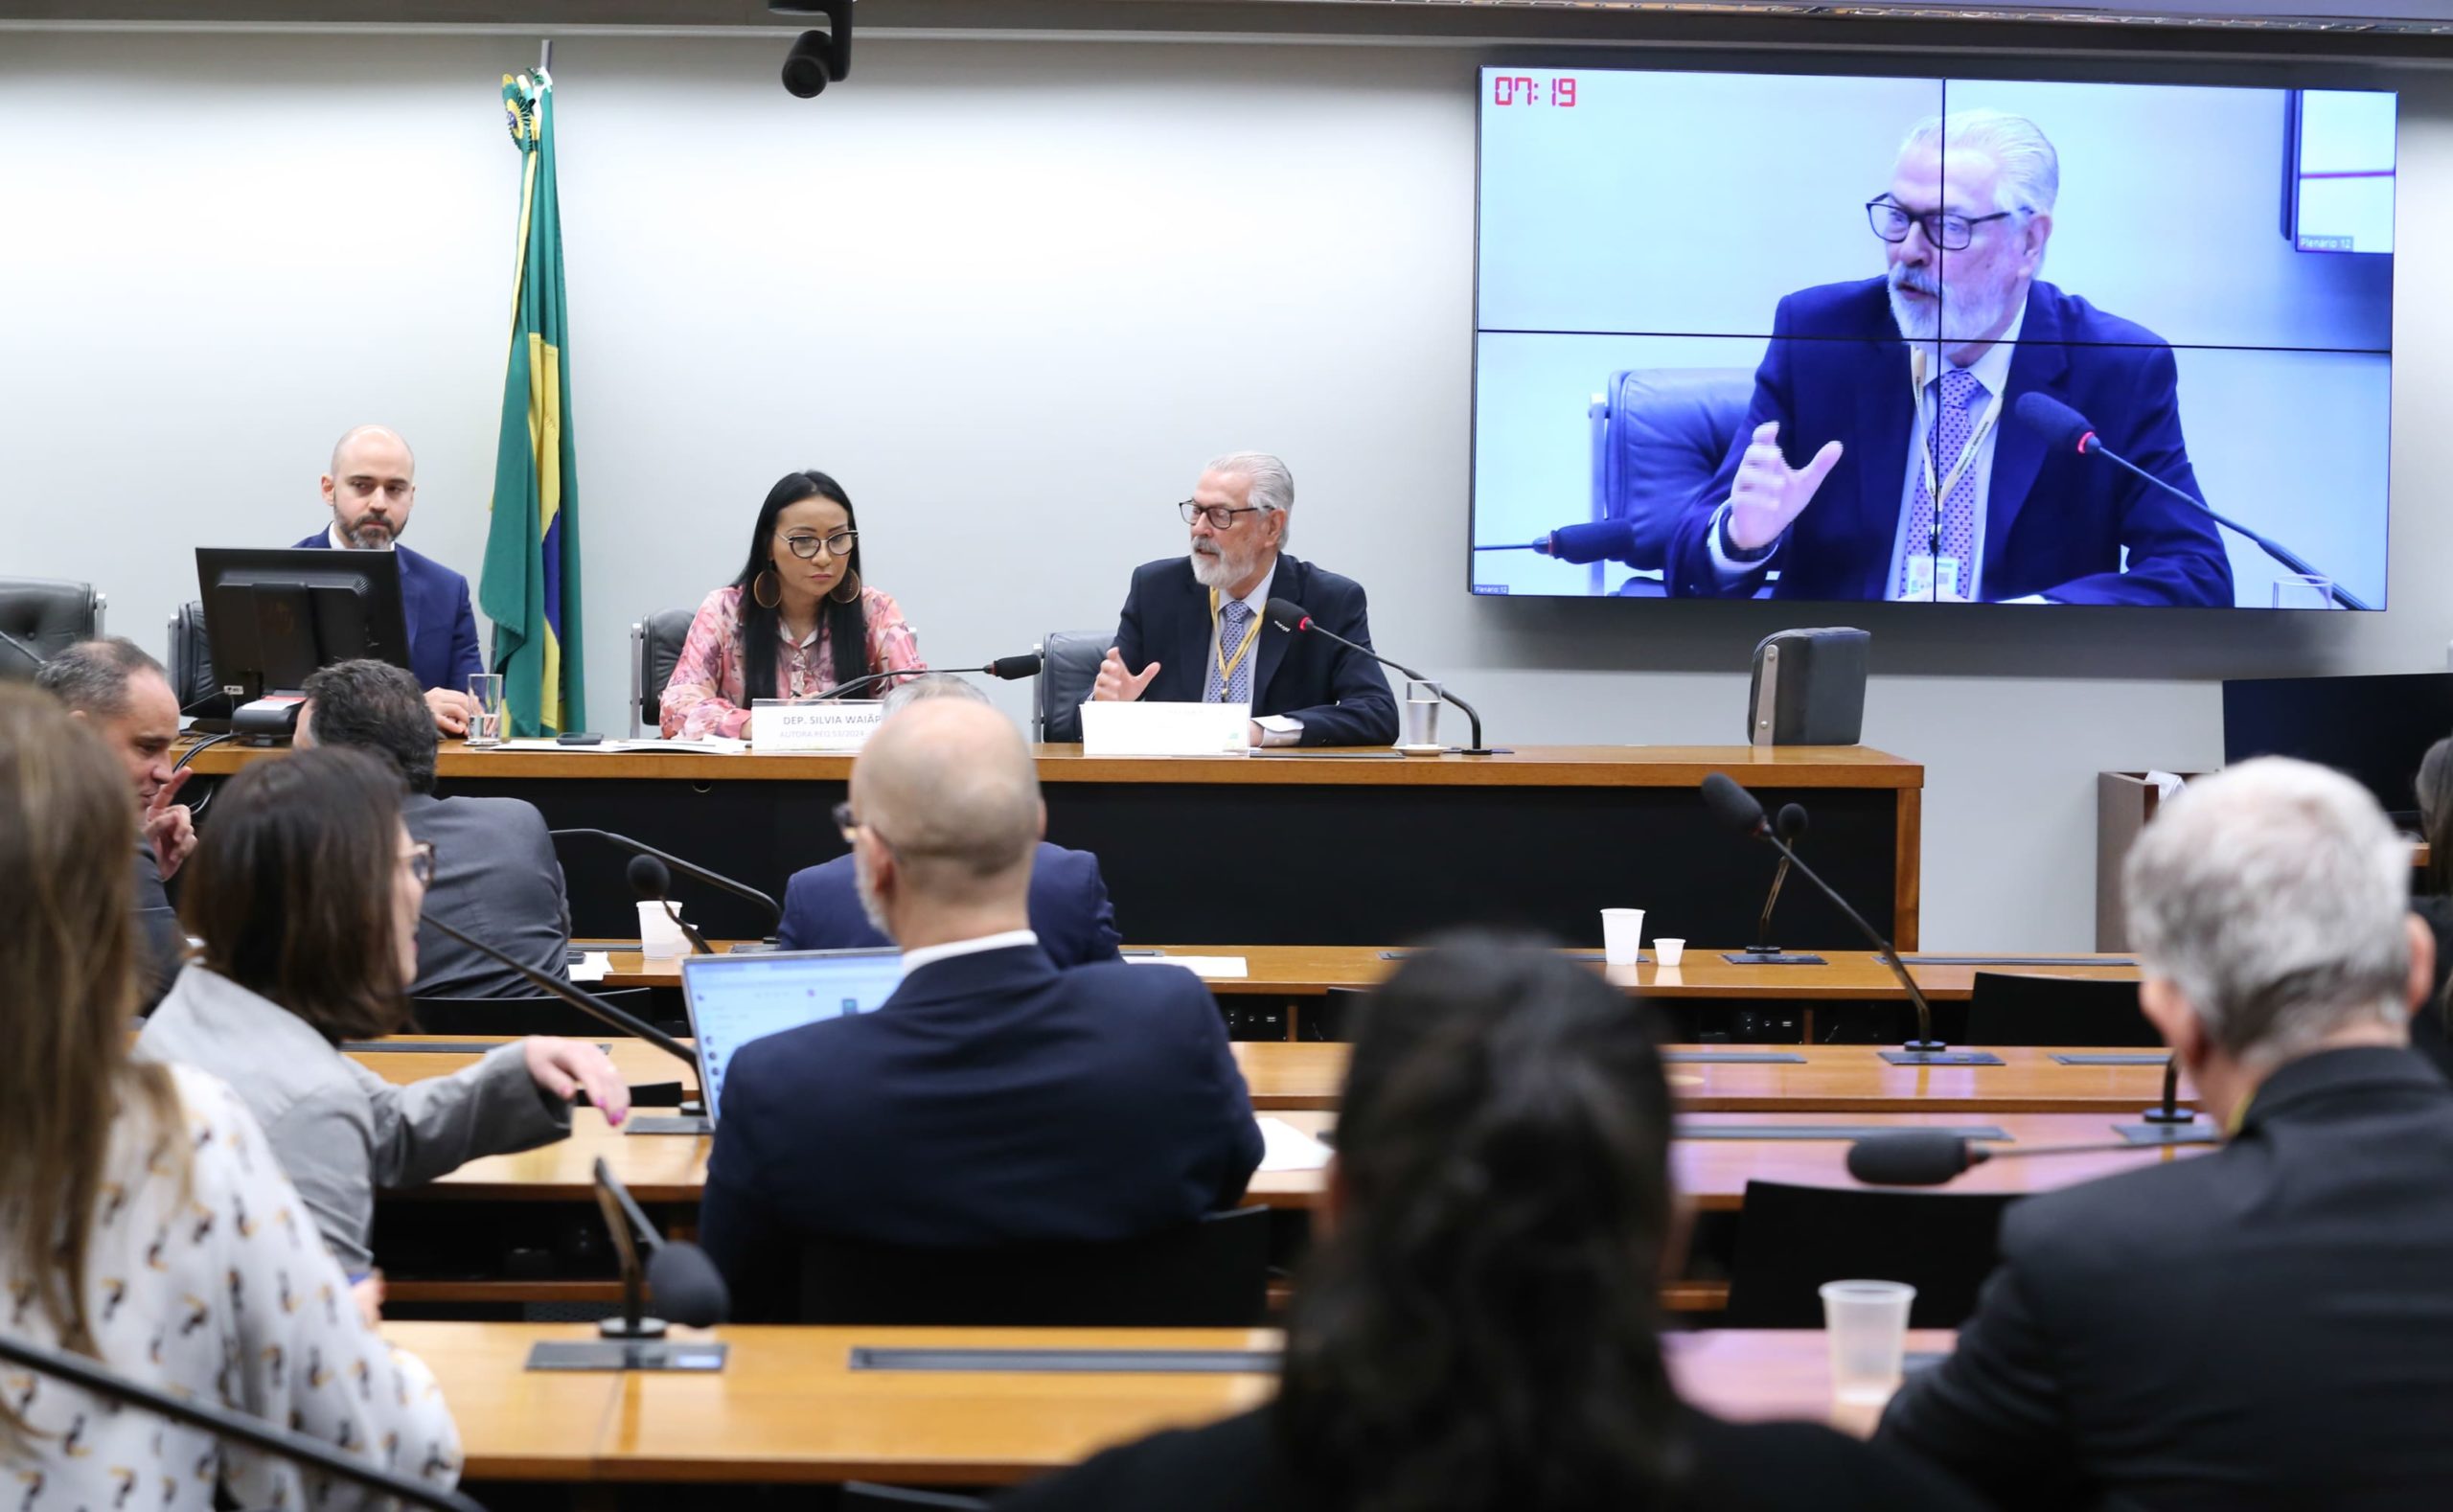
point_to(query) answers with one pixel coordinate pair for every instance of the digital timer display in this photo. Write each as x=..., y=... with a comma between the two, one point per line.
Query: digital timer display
x=1525, y=89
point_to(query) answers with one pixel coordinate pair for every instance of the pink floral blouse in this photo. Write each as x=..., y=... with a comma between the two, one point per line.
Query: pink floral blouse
x=706, y=695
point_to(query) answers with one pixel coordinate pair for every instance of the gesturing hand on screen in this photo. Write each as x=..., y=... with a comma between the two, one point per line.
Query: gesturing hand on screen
x=1115, y=685
x=1769, y=492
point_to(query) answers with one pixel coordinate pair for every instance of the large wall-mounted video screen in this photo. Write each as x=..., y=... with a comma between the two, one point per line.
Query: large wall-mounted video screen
x=1938, y=341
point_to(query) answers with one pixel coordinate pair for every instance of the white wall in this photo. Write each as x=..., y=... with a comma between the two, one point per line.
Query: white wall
x=1011, y=294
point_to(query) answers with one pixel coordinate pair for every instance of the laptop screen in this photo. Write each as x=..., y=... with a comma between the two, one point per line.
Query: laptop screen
x=734, y=999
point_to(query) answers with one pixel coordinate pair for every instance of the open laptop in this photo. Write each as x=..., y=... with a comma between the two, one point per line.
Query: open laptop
x=733, y=999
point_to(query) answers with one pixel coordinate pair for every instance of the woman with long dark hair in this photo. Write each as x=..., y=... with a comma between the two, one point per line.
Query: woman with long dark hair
x=1479, y=1331
x=143, y=1222
x=797, y=621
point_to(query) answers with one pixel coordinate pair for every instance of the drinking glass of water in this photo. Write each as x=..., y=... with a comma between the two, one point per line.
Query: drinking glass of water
x=484, y=721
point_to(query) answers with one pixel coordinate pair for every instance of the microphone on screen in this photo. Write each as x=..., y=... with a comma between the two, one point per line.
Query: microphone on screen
x=1293, y=619
x=1933, y=1157
x=1597, y=540
x=1741, y=810
x=2064, y=429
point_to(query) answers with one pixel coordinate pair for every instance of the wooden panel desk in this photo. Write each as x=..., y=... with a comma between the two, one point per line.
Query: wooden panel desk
x=788, y=1407
x=1391, y=847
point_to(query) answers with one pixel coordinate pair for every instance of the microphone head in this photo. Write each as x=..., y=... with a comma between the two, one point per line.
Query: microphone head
x=1591, y=541
x=1911, y=1157
x=687, y=1286
x=649, y=877
x=1288, y=615
x=1731, y=804
x=2062, y=427
x=1009, y=667
x=1790, y=822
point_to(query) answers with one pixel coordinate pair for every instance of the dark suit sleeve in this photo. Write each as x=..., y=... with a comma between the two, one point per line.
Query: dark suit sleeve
x=160, y=941
x=737, y=1227
x=1129, y=642
x=799, y=903
x=1361, y=711
x=1229, y=1100
x=1993, y=1414
x=2175, y=552
x=464, y=661
x=1095, y=937
x=1692, y=573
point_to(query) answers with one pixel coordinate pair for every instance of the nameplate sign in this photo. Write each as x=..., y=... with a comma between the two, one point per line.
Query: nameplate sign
x=1166, y=729
x=833, y=725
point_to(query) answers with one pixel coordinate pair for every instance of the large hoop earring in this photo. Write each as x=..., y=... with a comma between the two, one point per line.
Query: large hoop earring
x=852, y=580
x=766, y=588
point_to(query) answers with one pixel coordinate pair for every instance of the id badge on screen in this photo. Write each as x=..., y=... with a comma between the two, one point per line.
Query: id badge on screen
x=1921, y=572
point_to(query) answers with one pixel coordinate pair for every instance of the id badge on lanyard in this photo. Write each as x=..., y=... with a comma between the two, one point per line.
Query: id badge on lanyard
x=1925, y=569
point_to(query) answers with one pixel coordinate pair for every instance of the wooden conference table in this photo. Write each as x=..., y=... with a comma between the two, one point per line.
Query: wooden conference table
x=1355, y=846
x=789, y=1407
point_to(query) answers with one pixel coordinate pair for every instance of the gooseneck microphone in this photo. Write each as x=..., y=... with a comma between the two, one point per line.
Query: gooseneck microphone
x=649, y=880
x=1739, y=809
x=588, y=1003
x=232, y=1427
x=1293, y=619
x=1008, y=668
x=688, y=1287
x=774, y=909
x=1789, y=824
x=2064, y=427
x=1933, y=1157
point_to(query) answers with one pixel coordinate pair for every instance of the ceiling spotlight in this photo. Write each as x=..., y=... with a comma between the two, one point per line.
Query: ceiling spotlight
x=817, y=58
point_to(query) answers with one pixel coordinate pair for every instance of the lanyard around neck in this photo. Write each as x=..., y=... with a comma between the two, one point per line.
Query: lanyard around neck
x=1226, y=664
x=1927, y=423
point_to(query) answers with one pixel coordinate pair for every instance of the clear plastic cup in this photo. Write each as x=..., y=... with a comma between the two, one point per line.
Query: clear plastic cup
x=1670, y=953
x=1622, y=937
x=1867, y=1322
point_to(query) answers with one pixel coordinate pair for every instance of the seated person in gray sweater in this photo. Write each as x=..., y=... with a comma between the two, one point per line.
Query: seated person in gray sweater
x=306, y=891
x=496, y=876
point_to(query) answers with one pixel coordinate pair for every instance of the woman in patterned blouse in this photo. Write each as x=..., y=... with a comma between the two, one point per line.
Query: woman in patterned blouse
x=143, y=1220
x=799, y=620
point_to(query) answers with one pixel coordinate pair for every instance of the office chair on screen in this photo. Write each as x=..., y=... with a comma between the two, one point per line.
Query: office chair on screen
x=1658, y=434
x=1791, y=1239
x=1213, y=1273
x=2055, y=1010
x=1070, y=666
x=655, y=649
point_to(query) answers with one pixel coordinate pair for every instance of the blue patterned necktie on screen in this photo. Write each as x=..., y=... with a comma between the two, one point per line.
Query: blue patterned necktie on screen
x=1234, y=622
x=1954, y=422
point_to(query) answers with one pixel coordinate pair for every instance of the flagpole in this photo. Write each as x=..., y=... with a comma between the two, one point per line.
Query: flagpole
x=546, y=55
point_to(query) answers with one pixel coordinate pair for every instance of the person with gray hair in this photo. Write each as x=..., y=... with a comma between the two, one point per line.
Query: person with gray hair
x=992, y=1099
x=2264, y=1326
x=1897, y=401
x=123, y=695
x=1195, y=628
x=1069, y=909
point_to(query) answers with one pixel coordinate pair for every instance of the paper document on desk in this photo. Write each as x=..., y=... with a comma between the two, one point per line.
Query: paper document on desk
x=710, y=745
x=593, y=968
x=1208, y=967
x=1287, y=1148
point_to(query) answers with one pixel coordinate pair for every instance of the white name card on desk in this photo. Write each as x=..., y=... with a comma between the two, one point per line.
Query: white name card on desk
x=1208, y=967
x=1166, y=729
x=834, y=724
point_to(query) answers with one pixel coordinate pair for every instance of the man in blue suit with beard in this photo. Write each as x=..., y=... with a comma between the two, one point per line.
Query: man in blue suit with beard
x=371, y=489
x=1900, y=394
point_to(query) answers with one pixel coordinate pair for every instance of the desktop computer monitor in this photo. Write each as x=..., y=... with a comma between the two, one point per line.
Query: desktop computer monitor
x=272, y=618
x=733, y=999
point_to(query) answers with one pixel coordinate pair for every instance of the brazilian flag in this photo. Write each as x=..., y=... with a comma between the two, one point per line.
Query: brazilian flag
x=530, y=588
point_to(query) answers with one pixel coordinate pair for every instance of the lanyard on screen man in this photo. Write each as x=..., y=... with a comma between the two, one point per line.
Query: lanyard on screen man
x=1226, y=664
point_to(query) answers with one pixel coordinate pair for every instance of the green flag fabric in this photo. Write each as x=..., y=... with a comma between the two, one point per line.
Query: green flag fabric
x=530, y=588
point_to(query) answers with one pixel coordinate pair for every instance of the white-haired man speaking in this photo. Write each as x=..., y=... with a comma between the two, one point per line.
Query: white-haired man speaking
x=1882, y=456
x=2267, y=1326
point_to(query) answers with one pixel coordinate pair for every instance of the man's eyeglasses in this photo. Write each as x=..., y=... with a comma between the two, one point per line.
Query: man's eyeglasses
x=1948, y=232
x=1221, y=517
x=848, y=827
x=419, y=858
x=838, y=544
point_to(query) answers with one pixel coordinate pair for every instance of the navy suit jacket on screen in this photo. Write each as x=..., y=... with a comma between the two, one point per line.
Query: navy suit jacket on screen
x=990, y=1100
x=1069, y=909
x=442, y=629
x=1341, y=696
x=2055, y=524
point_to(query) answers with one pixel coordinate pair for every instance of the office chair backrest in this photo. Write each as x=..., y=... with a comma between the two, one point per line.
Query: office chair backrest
x=1071, y=665
x=1213, y=1274
x=1793, y=1239
x=49, y=614
x=191, y=663
x=2055, y=1010
x=514, y=1015
x=1658, y=434
x=655, y=647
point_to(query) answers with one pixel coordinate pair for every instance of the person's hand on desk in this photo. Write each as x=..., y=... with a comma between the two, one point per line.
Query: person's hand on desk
x=563, y=1068
x=1768, y=492
x=170, y=827
x=450, y=710
x=1115, y=685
